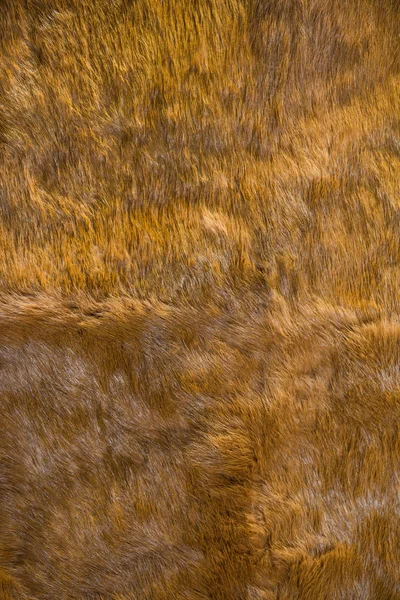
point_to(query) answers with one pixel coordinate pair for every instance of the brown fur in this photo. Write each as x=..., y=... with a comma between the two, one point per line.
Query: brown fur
x=199, y=300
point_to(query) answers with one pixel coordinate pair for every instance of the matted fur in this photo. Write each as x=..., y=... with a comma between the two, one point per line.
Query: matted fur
x=199, y=308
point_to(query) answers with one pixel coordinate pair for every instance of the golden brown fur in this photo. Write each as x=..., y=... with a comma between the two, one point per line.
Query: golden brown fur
x=199, y=300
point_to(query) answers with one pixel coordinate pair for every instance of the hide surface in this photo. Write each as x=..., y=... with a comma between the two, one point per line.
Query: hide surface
x=199, y=300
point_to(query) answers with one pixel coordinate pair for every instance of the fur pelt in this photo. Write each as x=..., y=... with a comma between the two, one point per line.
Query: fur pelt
x=199, y=300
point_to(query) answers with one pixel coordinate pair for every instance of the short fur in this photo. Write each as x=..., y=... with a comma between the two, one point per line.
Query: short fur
x=199, y=300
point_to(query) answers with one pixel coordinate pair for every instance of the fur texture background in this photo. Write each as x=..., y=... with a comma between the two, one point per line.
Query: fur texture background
x=199, y=300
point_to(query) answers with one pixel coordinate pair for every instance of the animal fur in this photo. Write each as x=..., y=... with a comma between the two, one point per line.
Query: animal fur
x=199, y=300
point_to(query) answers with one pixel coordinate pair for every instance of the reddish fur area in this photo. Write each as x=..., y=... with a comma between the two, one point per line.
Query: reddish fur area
x=199, y=300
